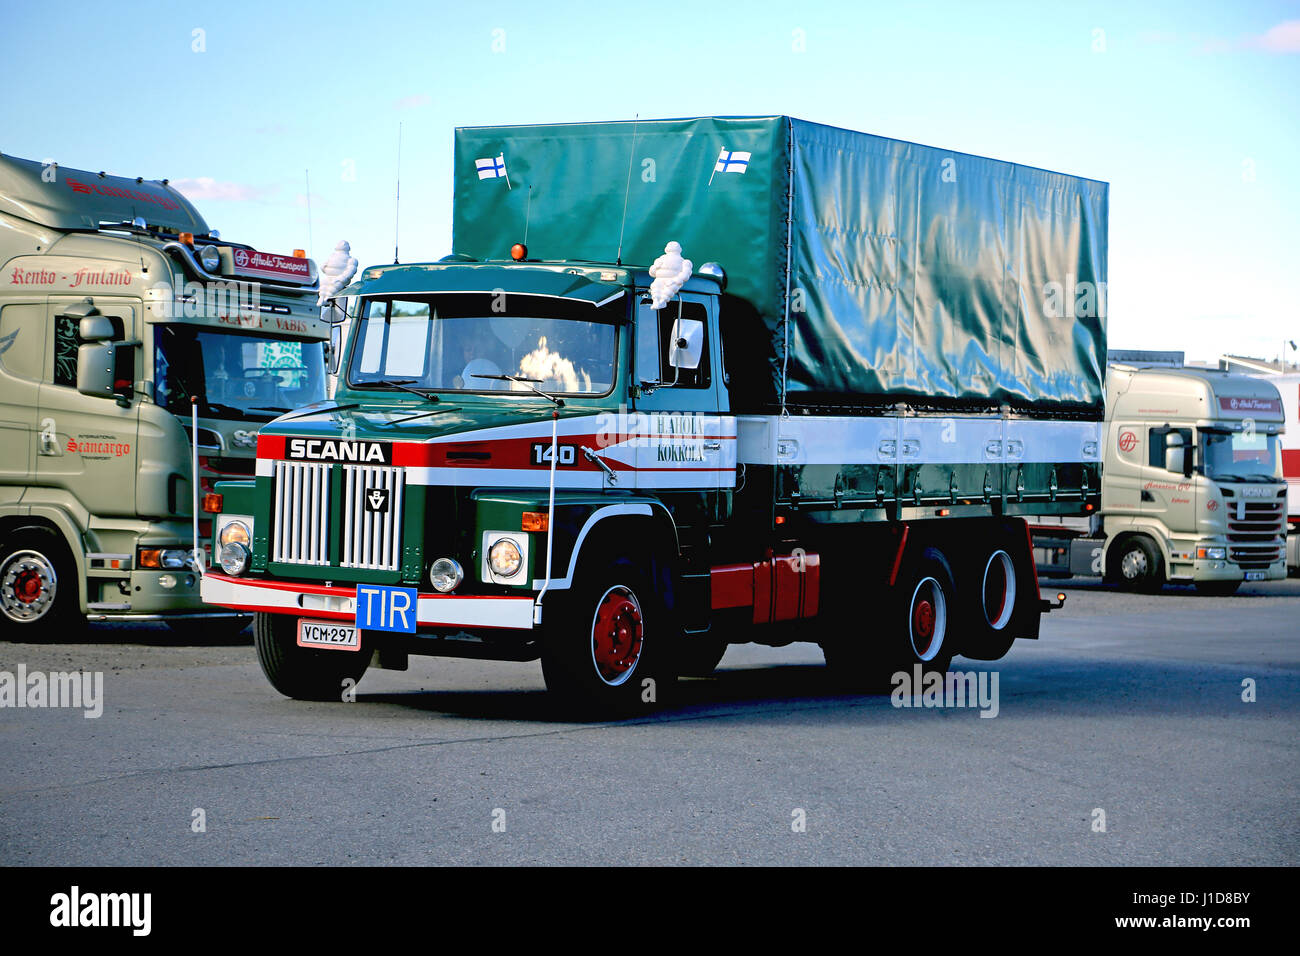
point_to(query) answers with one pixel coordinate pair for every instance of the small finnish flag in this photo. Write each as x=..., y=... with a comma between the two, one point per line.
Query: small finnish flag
x=731, y=162
x=492, y=167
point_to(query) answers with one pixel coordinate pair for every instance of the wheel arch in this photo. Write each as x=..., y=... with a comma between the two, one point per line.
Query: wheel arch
x=604, y=523
x=62, y=524
x=1120, y=538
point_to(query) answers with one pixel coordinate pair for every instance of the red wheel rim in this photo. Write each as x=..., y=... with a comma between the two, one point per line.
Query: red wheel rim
x=923, y=622
x=927, y=620
x=27, y=586
x=617, y=635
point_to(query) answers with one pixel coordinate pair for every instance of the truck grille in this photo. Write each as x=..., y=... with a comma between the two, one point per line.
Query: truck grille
x=1255, y=532
x=372, y=513
x=301, y=518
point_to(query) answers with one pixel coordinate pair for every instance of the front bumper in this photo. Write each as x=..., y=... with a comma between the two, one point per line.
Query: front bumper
x=139, y=595
x=1212, y=570
x=433, y=611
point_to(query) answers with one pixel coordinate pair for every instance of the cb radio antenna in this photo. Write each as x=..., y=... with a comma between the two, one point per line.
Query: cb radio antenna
x=631, y=154
x=397, y=206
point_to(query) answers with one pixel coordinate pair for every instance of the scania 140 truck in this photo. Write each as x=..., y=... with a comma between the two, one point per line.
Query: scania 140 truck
x=565, y=442
x=1192, y=489
x=118, y=306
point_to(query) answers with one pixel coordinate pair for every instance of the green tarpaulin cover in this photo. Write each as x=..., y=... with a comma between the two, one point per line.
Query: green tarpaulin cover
x=862, y=271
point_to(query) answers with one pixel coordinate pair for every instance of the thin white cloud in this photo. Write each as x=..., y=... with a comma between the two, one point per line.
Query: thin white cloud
x=1283, y=38
x=205, y=188
x=414, y=101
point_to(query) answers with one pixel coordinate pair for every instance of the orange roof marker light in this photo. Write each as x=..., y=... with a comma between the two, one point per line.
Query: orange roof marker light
x=519, y=252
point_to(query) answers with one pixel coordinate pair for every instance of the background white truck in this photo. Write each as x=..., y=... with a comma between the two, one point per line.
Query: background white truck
x=1192, y=488
x=118, y=306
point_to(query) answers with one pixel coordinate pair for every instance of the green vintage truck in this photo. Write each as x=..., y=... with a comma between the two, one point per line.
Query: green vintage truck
x=118, y=306
x=565, y=441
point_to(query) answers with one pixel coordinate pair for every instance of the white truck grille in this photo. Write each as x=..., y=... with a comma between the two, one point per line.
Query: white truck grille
x=1256, y=531
x=372, y=517
x=301, y=518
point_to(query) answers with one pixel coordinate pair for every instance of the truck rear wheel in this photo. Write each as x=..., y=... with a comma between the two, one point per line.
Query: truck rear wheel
x=918, y=628
x=303, y=673
x=38, y=586
x=1136, y=565
x=989, y=603
x=608, y=642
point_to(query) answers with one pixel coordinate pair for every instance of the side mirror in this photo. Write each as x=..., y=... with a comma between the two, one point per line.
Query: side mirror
x=96, y=328
x=1178, y=455
x=335, y=348
x=96, y=362
x=687, y=344
x=647, y=346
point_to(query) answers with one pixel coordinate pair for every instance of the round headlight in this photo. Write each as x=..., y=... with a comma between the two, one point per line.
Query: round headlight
x=234, y=559
x=504, y=558
x=210, y=258
x=175, y=558
x=445, y=575
x=234, y=532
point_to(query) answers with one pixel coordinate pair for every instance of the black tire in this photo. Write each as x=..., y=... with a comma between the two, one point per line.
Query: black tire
x=1136, y=565
x=988, y=598
x=1217, y=588
x=38, y=587
x=593, y=674
x=918, y=629
x=304, y=673
x=700, y=655
x=209, y=630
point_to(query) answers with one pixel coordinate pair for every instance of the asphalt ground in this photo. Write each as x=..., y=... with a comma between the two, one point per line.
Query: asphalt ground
x=1127, y=714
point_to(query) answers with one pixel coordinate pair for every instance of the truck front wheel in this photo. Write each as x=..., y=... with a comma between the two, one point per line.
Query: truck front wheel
x=38, y=586
x=304, y=673
x=1136, y=565
x=607, y=642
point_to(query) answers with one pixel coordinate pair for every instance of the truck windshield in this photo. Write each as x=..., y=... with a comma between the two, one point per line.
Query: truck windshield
x=235, y=375
x=1239, y=456
x=446, y=343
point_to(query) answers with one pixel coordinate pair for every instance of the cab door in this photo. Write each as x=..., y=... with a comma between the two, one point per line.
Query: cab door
x=22, y=360
x=89, y=445
x=1168, y=496
x=686, y=442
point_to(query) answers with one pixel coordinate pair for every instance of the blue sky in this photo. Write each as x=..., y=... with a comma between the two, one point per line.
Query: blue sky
x=1188, y=110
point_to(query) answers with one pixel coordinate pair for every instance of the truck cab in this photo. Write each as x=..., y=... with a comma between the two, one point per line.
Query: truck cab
x=122, y=315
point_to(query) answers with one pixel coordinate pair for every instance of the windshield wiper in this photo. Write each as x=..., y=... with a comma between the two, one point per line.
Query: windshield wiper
x=559, y=402
x=269, y=408
x=405, y=385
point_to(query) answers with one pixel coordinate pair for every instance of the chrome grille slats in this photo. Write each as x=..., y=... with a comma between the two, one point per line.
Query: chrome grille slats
x=301, y=518
x=303, y=506
x=372, y=539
